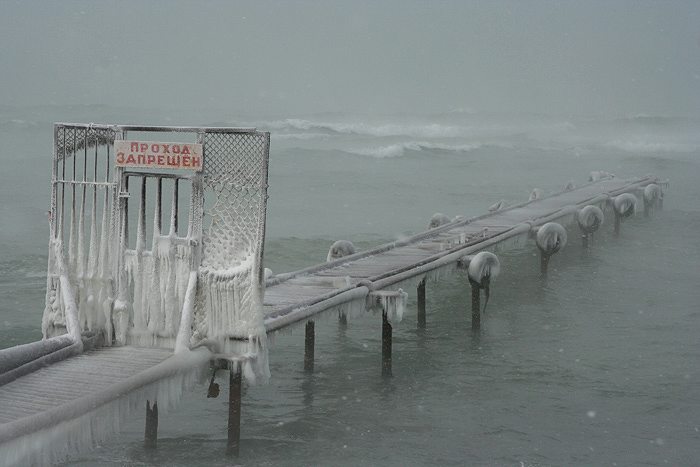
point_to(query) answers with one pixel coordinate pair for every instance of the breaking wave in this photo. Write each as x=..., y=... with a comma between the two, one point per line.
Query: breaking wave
x=643, y=146
x=427, y=130
x=400, y=149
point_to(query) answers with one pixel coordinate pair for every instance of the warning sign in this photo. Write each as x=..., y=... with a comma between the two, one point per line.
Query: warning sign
x=156, y=155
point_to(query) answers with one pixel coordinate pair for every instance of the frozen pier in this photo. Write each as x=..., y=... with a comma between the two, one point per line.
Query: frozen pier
x=156, y=277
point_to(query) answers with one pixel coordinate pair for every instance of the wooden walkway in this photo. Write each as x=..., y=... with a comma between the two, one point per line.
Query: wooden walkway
x=34, y=407
x=298, y=296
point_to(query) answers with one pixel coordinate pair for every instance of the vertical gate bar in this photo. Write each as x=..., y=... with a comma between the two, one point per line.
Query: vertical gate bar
x=63, y=185
x=159, y=206
x=95, y=168
x=421, y=305
x=386, y=345
x=173, y=212
x=85, y=155
x=151, y=431
x=309, y=342
x=108, y=161
x=476, y=307
x=141, y=227
x=234, y=410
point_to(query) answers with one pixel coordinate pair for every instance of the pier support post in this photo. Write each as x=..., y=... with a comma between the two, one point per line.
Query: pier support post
x=624, y=205
x=550, y=238
x=589, y=218
x=234, y=410
x=421, y=305
x=309, y=342
x=151, y=432
x=386, y=345
x=342, y=320
x=476, y=305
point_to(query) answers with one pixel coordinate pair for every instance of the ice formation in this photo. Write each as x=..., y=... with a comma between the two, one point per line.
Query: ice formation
x=536, y=193
x=437, y=220
x=498, y=206
x=551, y=238
x=590, y=218
x=599, y=175
x=625, y=204
x=340, y=249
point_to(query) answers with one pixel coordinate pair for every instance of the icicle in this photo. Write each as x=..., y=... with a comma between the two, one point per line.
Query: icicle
x=93, y=260
x=105, y=298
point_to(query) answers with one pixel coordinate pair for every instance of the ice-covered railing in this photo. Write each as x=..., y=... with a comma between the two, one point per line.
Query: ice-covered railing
x=137, y=276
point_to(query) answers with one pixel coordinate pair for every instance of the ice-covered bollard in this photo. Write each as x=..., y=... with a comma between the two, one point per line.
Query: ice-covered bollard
x=550, y=238
x=624, y=206
x=497, y=206
x=589, y=219
x=570, y=185
x=653, y=196
x=340, y=249
x=536, y=193
x=481, y=268
x=599, y=175
x=437, y=220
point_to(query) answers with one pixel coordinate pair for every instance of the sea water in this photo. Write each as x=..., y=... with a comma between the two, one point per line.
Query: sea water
x=595, y=364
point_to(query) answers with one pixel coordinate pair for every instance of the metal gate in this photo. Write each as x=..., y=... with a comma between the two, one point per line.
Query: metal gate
x=157, y=251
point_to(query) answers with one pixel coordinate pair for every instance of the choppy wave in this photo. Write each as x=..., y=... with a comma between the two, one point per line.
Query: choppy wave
x=645, y=146
x=401, y=149
x=426, y=130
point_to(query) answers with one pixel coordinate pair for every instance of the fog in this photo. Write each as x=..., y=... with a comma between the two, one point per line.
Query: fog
x=287, y=57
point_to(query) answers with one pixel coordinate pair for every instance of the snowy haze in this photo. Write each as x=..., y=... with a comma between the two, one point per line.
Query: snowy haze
x=570, y=58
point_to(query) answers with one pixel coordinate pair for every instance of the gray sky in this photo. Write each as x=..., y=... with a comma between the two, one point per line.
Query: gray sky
x=286, y=58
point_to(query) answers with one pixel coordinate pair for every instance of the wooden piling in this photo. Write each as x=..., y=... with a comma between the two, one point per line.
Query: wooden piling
x=151, y=432
x=544, y=262
x=309, y=342
x=386, y=345
x=476, y=306
x=234, y=411
x=618, y=221
x=421, y=305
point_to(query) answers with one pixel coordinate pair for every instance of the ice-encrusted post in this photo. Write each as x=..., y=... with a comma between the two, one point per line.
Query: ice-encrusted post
x=151, y=431
x=392, y=305
x=234, y=409
x=476, y=306
x=624, y=206
x=481, y=268
x=589, y=220
x=421, y=305
x=550, y=238
x=652, y=196
x=386, y=345
x=309, y=341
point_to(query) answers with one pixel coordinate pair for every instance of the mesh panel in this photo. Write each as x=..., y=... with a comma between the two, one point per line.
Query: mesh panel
x=235, y=177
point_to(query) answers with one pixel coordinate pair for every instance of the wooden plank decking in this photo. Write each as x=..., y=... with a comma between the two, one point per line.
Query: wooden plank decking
x=294, y=297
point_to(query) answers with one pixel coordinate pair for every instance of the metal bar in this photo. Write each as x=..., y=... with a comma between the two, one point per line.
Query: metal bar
x=421, y=305
x=151, y=431
x=234, y=411
x=386, y=345
x=173, y=211
x=309, y=339
x=163, y=129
